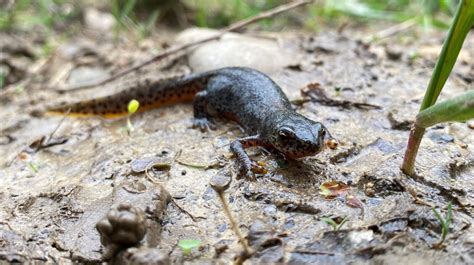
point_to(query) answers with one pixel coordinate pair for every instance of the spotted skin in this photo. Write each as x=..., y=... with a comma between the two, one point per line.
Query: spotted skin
x=244, y=95
x=150, y=95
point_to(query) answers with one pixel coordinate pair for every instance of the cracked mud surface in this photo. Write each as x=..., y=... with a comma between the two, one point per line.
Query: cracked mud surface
x=52, y=198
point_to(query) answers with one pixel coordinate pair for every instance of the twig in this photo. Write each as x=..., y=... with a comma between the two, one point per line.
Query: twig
x=313, y=252
x=7, y=224
x=233, y=27
x=212, y=164
x=177, y=160
x=149, y=176
x=315, y=93
x=57, y=127
x=391, y=30
x=47, y=141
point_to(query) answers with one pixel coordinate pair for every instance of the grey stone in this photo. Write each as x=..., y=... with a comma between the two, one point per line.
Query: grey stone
x=86, y=75
x=234, y=49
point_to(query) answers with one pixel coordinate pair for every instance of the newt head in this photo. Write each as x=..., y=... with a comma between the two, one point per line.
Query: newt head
x=297, y=137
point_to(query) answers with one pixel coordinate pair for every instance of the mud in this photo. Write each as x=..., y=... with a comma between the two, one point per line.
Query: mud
x=52, y=197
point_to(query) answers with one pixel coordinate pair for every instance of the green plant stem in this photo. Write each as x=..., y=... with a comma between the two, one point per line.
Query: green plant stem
x=414, y=141
x=458, y=31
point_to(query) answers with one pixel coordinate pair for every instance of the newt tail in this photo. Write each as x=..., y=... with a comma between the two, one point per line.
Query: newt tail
x=151, y=95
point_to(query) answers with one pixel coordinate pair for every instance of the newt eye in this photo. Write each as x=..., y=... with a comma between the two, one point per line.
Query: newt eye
x=286, y=132
x=323, y=132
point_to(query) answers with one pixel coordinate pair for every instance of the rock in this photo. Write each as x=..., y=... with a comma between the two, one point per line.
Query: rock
x=144, y=256
x=262, y=235
x=263, y=238
x=143, y=164
x=220, y=182
x=10, y=241
x=384, y=146
x=399, y=120
x=86, y=75
x=123, y=226
x=236, y=50
x=97, y=20
x=440, y=137
x=13, y=68
x=362, y=237
x=221, y=246
x=470, y=125
x=87, y=250
x=393, y=52
x=75, y=49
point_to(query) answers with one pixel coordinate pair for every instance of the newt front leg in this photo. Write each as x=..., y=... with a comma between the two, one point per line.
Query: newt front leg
x=244, y=162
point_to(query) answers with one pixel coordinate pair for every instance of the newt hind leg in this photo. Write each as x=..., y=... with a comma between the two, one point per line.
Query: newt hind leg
x=202, y=118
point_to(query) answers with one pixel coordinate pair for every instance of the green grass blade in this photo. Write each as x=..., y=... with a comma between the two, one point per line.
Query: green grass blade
x=329, y=221
x=449, y=214
x=128, y=8
x=115, y=10
x=438, y=216
x=2, y=79
x=201, y=17
x=151, y=21
x=459, y=108
x=342, y=223
x=359, y=9
x=458, y=31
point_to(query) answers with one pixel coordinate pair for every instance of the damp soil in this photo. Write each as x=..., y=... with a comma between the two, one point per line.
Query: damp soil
x=55, y=187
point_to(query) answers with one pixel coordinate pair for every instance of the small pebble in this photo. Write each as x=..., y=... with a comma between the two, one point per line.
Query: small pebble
x=289, y=224
x=441, y=137
x=146, y=255
x=470, y=124
x=393, y=53
x=221, y=228
x=462, y=144
x=270, y=210
x=139, y=165
x=221, y=246
x=209, y=194
x=447, y=138
x=220, y=182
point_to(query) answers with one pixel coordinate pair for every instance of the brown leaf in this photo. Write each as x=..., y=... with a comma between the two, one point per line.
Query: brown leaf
x=332, y=189
x=354, y=202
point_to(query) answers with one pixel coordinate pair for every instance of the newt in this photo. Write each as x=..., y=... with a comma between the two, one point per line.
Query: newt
x=244, y=95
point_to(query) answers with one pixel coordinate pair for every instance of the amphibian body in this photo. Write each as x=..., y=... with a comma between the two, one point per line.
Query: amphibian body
x=244, y=95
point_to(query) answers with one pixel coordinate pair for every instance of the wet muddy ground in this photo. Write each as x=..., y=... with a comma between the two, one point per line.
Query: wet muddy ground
x=55, y=187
